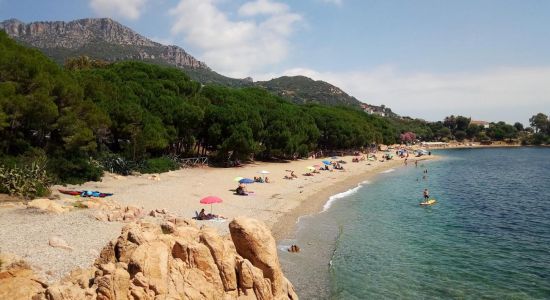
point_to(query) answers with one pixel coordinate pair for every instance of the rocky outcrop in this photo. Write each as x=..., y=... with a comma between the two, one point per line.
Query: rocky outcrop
x=175, y=260
x=254, y=242
x=88, y=34
x=47, y=205
x=18, y=282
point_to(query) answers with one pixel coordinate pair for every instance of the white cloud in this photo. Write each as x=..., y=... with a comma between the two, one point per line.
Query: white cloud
x=129, y=9
x=265, y=7
x=335, y=2
x=257, y=39
x=509, y=94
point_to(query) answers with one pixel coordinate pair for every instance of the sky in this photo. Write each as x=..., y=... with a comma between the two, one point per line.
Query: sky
x=484, y=59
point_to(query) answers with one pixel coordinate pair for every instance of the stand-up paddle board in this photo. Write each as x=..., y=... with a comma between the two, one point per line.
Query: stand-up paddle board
x=429, y=202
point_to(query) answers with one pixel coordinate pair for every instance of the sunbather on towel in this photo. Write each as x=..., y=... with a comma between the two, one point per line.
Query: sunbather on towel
x=205, y=216
x=241, y=191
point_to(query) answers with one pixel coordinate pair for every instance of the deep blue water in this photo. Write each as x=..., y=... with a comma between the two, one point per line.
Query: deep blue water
x=488, y=236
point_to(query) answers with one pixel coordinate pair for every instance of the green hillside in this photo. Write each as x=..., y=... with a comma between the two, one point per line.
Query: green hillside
x=301, y=90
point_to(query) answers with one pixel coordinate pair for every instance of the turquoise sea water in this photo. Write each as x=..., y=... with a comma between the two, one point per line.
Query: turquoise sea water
x=488, y=237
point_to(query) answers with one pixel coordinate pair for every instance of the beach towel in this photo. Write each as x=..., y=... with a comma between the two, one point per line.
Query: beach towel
x=217, y=220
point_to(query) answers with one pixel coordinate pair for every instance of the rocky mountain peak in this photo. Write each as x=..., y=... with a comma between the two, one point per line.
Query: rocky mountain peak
x=101, y=38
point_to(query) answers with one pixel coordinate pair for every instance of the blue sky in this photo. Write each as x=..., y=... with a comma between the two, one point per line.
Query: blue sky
x=485, y=59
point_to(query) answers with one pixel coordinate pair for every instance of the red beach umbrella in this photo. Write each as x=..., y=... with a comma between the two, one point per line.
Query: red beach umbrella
x=211, y=200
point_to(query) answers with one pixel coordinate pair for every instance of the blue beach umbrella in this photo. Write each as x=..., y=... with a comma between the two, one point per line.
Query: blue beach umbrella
x=246, y=180
x=326, y=162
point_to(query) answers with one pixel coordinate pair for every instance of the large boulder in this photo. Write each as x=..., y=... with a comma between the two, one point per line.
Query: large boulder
x=19, y=288
x=47, y=205
x=147, y=261
x=18, y=282
x=253, y=241
x=152, y=260
x=223, y=253
x=114, y=284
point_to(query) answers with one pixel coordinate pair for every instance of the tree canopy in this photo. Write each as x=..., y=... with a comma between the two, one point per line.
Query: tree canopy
x=78, y=115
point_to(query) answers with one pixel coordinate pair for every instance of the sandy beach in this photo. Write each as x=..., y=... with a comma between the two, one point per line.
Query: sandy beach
x=279, y=204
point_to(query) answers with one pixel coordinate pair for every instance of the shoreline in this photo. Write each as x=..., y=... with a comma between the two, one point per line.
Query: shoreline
x=285, y=227
x=475, y=146
x=278, y=204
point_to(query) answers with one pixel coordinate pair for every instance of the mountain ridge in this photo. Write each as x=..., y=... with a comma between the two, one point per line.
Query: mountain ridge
x=82, y=32
x=107, y=39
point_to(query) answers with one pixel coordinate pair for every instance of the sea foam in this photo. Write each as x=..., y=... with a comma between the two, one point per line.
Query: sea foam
x=352, y=191
x=387, y=171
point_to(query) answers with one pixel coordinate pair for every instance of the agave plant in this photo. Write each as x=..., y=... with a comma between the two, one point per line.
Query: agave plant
x=25, y=181
x=119, y=165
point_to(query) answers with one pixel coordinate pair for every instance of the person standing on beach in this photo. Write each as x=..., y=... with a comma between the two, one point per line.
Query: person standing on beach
x=416, y=163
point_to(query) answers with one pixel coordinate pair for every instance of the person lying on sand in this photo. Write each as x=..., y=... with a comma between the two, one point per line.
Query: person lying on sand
x=205, y=216
x=308, y=174
x=267, y=179
x=241, y=190
x=292, y=175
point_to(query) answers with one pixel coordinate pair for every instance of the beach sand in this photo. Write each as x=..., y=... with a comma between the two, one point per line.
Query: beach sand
x=279, y=204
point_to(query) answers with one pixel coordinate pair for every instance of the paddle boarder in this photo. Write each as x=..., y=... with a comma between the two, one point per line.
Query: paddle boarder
x=426, y=195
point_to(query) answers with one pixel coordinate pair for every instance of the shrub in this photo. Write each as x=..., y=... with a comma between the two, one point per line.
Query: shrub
x=75, y=170
x=118, y=164
x=460, y=135
x=27, y=181
x=159, y=165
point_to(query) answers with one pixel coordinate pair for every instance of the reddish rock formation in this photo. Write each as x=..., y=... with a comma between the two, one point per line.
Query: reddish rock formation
x=175, y=261
x=254, y=242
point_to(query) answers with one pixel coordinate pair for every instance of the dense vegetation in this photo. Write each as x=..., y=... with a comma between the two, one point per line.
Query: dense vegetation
x=540, y=129
x=461, y=128
x=90, y=116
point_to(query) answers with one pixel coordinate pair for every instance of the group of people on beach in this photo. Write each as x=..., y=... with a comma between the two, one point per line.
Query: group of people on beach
x=259, y=179
x=335, y=166
x=358, y=159
x=242, y=190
